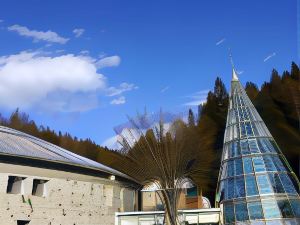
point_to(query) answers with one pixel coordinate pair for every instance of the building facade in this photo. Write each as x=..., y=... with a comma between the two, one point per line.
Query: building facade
x=256, y=185
x=43, y=184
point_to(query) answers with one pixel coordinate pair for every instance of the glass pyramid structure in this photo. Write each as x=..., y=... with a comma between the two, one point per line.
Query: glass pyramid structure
x=256, y=185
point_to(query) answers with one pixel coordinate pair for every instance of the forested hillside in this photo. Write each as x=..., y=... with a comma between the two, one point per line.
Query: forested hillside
x=277, y=101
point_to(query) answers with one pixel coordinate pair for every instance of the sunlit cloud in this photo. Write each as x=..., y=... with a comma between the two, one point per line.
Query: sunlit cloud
x=118, y=101
x=197, y=98
x=78, y=32
x=220, y=41
x=48, y=36
x=270, y=56
x=123, y=87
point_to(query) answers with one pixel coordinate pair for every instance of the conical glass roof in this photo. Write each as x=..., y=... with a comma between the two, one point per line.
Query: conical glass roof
x=256, y=184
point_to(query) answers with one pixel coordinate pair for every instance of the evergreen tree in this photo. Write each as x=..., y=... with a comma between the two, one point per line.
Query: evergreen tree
x=295, y=72
x=252, y=90
x=191, y=118
x=220, y=91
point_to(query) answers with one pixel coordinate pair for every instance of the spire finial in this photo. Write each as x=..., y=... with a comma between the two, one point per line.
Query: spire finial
x=234, y=74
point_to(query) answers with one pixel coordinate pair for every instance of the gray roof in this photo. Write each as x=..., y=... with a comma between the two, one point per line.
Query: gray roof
x=16, y=143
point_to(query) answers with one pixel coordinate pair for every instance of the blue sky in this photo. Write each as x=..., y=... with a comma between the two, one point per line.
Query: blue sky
x=81, y=67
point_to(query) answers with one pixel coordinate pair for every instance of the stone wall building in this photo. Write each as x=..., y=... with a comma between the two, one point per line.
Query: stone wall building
x=43, y=184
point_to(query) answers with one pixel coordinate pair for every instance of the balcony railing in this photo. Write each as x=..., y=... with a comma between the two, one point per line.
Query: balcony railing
x=187, y=217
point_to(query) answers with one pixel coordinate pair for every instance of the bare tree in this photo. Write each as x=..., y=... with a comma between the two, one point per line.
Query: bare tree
x=167, y=160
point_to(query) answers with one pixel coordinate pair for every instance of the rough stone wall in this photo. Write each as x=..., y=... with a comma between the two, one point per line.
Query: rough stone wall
x=68, y=202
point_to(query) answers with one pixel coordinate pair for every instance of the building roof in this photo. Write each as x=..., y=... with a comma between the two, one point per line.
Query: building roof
x=20, y=148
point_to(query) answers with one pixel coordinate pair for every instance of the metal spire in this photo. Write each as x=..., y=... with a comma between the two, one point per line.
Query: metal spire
x=234, y=74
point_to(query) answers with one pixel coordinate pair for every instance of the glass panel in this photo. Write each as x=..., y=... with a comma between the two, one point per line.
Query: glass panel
x=285, y=208
x=241, y=212
x=229, y=213
x=278, y=163
x=244, y=147
x=253, y=146
x=263, y=184
x=249, y=129
x=238, y=167
x=273, y=146
x=295, y=203
x=239, y=187
x=287, y=184
x=251, y=185
x=255, y=211
x=243, y=130
x=248, y=167
x=270, y=209
x=269, y=163
x=235, y=149
x=230, y=187
x=230, y=168
x=276, y=183
x=259, y=165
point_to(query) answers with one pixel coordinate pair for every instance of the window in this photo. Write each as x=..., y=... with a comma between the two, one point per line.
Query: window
x=276, y=183
x=253, y=146
x=238, y=167
x=15, y=185
x=230, y=188
x=241, y=212
x=263, y=184
x=251, y=187
x=287, y=184
x=230, y=168
x=285, y=208
x=229, y=213
x=239, y=187
x=278, y=163
x=23, y=222
x=249, y=129
x=244, y=147
x=295, y=203
x=39, y=187
x=269, y=163
x=258, y=164
x=270, y=209
x=248, y=165
x=235, y=151
x=243, y=130
x=255, y=211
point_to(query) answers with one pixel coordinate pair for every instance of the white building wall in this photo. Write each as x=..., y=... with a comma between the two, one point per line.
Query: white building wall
x=68, y=202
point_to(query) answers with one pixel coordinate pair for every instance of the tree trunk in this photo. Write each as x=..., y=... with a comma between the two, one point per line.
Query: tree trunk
x=170, y=201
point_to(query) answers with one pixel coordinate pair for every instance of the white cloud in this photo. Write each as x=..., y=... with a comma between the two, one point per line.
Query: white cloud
x=197, y=98
x=84, y=52
x=220, y=41
x=48, y=36
x=78, y=32
x=108, y=61
x=113, y=91
x=164, y=89
x=118, y=101
x=269, y=56
x=60, y=51
x=58, y=83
